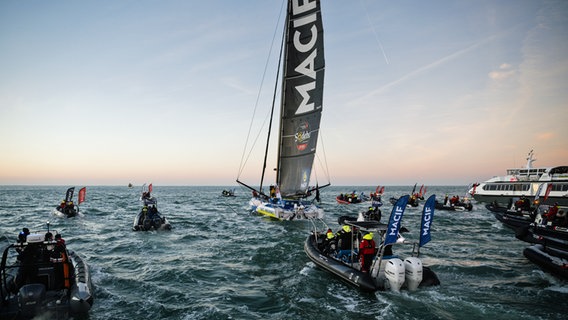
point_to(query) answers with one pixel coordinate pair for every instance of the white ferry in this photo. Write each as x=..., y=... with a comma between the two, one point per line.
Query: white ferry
x=526, y=182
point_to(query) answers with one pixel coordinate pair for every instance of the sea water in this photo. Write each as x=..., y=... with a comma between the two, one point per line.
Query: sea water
x=221, y=262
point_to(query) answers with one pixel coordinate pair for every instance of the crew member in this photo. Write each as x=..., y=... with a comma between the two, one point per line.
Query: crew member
x=367, y=252
x=344, y=243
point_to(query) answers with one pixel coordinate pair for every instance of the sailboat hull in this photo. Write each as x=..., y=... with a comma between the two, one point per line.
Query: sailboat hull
x=286, y=209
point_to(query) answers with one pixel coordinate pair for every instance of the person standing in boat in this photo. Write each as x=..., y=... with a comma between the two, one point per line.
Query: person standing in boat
x=23, y=235
x=344, y=242
x=551, y=214
x=367, y=251
x=59, y=258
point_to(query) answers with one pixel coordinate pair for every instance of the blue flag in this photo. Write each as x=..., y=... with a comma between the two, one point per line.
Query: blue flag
x=427, y=217
x=395, y=220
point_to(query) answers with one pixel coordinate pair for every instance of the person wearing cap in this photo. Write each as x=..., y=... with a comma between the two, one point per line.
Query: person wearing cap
x=23, y=236
x=367, y=251
x=344, y=242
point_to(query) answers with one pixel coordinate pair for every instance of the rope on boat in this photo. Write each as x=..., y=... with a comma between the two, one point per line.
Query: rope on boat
x=229, y=206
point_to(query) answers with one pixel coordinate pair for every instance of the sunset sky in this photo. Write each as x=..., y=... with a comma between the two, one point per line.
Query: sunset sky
x=428, y=92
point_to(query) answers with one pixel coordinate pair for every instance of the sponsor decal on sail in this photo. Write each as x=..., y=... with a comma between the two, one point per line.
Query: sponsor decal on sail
x=302, y=136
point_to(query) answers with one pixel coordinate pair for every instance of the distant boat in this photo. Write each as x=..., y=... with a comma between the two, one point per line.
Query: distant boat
x=351, y=198
x=228, y=193
x=301, y=109
x=526, y=182
x=130, y=185
x=67, y=208
x=149, y=218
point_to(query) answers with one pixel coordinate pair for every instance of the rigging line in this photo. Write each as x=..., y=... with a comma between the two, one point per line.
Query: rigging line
x=282, y=46
x=229, y=206
x=243, y=159
x=374, y=32
x=326, y=166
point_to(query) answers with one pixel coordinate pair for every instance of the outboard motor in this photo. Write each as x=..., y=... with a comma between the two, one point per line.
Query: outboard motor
x=413, y=267
x=30, y=298
x=394, y=274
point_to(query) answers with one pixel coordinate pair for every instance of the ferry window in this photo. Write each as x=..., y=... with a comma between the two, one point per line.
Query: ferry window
x=526, y=187
x=564, y=187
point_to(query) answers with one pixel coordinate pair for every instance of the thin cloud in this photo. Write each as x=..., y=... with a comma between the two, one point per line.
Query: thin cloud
x=428, y=67
x=505, y=71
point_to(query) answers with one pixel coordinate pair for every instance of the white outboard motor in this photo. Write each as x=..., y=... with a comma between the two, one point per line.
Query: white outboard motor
x=413, y=267
x=394, y=274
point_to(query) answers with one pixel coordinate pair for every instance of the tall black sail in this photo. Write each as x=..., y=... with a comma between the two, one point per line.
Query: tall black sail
x=302, y=96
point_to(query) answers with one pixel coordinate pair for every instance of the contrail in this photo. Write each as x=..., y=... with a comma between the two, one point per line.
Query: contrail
x=375, y=32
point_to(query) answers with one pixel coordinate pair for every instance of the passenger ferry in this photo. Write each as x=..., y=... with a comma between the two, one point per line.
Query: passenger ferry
x=528, y=182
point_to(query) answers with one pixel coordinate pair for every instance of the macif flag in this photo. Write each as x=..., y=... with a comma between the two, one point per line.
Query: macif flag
x=427, y=217
x=395, y=220
x=82, y=194
x=69, y=194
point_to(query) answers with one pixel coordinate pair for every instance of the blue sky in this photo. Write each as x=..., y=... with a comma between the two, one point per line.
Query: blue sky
x=433, y=92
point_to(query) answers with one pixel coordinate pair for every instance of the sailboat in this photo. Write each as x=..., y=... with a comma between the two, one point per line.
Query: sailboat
x=300, y=115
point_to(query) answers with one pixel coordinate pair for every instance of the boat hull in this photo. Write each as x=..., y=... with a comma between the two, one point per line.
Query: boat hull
x=550, y=236
x=548, y=260
x=513, y=221
x=359, y=279
x=286, y=209
x=158, y=223
x=362, y=280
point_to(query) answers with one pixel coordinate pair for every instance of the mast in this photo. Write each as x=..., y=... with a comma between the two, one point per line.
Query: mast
x=283, y=86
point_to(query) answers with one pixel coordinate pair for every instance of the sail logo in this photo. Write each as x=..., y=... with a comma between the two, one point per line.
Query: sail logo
x=302, y=136
x=305, y=43
x=395, y=220
x=304, y=184
x=426, y=220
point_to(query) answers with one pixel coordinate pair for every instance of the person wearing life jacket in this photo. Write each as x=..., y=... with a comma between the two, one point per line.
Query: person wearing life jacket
x=552, y=212
x=329, y=245
x=61, y=206
x=367, y=251
x=344, y=242
x=60, y=261
x=69, y=208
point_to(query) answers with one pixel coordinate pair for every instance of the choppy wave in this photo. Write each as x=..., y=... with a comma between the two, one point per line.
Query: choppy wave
x=220, y=262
